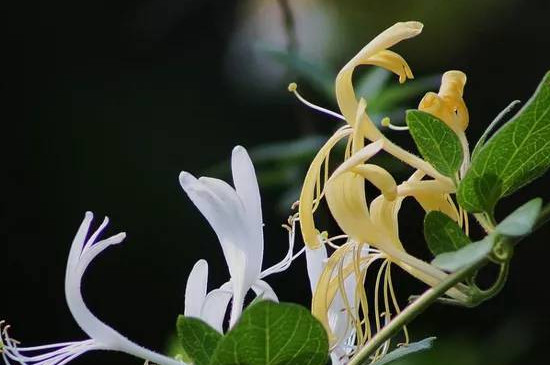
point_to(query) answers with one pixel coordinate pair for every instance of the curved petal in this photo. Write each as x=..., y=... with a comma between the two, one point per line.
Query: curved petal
x=195, y=290
x=246, y=185
x=104, y=337
x=215, y=305
x=264, y=290
x=223, y=209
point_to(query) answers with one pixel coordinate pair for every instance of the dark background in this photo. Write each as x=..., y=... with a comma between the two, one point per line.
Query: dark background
x=107, y=101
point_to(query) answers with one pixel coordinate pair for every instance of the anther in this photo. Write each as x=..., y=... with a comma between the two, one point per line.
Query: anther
x=386, y=122
x=293, y=88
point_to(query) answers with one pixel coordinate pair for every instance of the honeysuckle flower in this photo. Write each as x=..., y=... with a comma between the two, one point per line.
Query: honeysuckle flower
x=344, y=189
x=449, y=106
x=84, y=250
x=235, y=214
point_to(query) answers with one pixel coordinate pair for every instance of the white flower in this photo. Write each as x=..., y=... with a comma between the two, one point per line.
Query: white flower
x=235, y=214
x=101, y=336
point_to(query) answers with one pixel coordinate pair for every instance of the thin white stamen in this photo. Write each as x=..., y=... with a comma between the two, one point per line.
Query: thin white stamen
x=293, y=88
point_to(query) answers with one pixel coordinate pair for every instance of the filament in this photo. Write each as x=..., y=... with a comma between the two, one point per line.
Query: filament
x=293, y=88
x=386, y=122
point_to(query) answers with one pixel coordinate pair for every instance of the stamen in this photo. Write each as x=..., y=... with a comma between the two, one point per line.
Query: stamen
x=386, y=122
x=293, y=88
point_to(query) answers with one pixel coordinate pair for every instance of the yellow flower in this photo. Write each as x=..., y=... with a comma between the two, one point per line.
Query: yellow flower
x=371, y=231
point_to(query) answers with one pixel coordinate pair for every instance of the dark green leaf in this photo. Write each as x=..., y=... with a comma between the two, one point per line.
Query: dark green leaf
x=436, y=142
x=494, y=124
x=517, y=154
x=522, y=220
x=275, y=334
x=453, y=261
x=198, y=339
x=443, y=234
x=405, y=350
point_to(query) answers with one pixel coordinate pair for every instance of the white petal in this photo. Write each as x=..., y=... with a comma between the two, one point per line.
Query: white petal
x=195, y=290
x=316, y=259
x=103, y=336
x=215, y=306
x=246, y=185
x=264, y=290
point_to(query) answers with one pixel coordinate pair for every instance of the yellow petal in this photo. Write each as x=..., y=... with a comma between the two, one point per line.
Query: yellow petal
x=380, y=178
x=307, y=196
x=345, y=195
x=393, y=62
x=448, y=105
x=384, y=214
x=345, y=93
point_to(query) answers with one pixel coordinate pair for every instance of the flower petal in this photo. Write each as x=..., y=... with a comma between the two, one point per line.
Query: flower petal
x=215, y=306
x=246, y=185
x=195, y=290
x=264, y=290
x=316, y=260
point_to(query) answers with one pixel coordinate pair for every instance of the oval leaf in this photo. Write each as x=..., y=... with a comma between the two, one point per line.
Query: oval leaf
x=522, y=220
x=443, y=234
x=275, y=334
x=517, y=154
x=405, y=350
x=436, y=142
x=453, y=261
x=198, y=339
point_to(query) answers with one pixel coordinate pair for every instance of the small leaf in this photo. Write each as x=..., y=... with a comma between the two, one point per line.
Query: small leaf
x=443, y=234
x=453, y=261
x=436, y=142
x=198, y=339
x=275, y=334
x=405, y=350
x=516, y=154
x=522, y=220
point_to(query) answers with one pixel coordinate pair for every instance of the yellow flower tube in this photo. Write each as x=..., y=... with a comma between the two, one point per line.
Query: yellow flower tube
x=376, y=53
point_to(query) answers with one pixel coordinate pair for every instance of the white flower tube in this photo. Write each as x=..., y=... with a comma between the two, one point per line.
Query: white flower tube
x=235, y=214
x=101, y=336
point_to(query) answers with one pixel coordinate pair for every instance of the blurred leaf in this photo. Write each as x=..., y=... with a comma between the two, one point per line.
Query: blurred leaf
x=443, y=234
x=392, y=96
x=372, y=84
x=453, y=261
x=198, y=339
x=298, y=149
x=522, y=220
x=517, y=154
x=436, y=142
x=321, y=78
x=276, y=334
x=405, y=350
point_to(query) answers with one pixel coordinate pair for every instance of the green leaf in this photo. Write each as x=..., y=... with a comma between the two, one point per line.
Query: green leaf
x=275, y=334
x=436, y=142
x=405, y=350
x=453, y=261
x=522, y=220
x=443, y=234
x=518, y=153
x=198, y=339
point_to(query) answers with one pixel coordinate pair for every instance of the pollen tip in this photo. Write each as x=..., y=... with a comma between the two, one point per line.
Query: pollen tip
x=292, y=87
x=385, y=122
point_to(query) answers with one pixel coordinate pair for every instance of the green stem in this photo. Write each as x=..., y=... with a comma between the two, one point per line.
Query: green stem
x=498, y=285
x=413, y=310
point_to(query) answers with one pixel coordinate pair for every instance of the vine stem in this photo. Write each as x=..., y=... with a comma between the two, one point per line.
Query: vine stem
x=413, y=310
x=432, y=295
